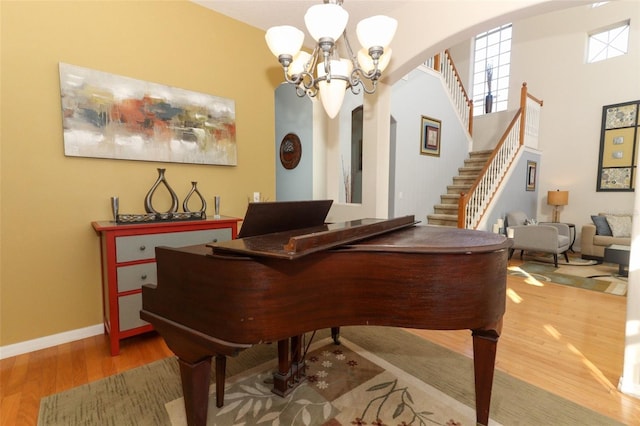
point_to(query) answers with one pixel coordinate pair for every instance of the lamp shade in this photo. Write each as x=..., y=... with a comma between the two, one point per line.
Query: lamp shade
x=284, y=40
x=366, y=63
x=332, y=93
x=299, y=63
x=326, y=20
x=558, y=198
x=376, y=31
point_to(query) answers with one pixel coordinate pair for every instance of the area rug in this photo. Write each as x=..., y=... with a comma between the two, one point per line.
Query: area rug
x=548, y=258
x=395, y=373
x=597, y=277
x=345, y=385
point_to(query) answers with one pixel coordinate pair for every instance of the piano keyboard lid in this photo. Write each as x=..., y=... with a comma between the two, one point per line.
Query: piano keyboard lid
x=295, y=243
x=270, y=217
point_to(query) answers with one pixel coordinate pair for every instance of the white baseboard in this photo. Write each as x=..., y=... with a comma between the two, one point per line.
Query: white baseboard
x=48, y=341
x=628, y=387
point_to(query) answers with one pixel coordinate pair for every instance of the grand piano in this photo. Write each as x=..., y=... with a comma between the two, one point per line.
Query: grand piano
x=213, y=301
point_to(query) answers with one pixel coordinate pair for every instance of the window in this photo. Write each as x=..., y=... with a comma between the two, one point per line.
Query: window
x=492, y=61
x=608, y=43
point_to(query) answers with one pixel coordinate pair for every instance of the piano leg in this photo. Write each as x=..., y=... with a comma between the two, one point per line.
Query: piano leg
x=221, y=367
x=290, y=366
x=195, y=386
x=335, y=335
x=485, y=342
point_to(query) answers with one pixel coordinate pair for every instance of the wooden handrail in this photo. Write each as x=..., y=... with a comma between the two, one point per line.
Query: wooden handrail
x=458, y=93
x=457, y=74
x=464, y=197
x=500, y=159
x=482, y=197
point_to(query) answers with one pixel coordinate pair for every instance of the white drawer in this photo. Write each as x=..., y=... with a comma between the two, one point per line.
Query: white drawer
x=139, y=247
x=132, y=277
x=129, y=311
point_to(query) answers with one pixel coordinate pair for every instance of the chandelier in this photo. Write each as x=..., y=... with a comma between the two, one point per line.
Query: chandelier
x=333, y=75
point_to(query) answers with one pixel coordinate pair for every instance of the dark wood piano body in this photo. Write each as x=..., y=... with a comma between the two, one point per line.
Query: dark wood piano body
x=425, y=277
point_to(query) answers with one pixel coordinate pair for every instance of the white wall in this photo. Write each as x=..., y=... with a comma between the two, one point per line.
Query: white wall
x=552, y=62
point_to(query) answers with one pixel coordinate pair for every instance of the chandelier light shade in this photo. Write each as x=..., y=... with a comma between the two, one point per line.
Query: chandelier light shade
x=366, y=62
x=323, y=72
x=556, y=199
x=326, y=21
x=332, y=93
x=299, y=62
x=284, y=40
x=376, y=31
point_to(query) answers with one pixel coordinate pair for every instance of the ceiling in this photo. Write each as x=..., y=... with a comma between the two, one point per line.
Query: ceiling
x=265, y=14
x=426, y=26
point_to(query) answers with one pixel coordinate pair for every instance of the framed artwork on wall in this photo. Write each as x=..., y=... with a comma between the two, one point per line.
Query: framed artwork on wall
x=290, y=151
x=111, y=116
x=531, y=175
x=618, y=147
x=430, y=136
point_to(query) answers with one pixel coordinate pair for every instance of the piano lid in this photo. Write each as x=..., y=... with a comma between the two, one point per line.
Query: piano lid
x=296, y=243
x=277, y=216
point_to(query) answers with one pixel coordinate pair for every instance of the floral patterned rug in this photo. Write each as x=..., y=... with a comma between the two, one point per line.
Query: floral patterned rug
x=345, y=385
x=397, y=379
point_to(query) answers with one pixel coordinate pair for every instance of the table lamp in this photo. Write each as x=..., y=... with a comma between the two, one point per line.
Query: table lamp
x=556, y=199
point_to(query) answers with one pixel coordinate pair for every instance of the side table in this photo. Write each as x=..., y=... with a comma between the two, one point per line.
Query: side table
x=128, y=262
x=619, y=254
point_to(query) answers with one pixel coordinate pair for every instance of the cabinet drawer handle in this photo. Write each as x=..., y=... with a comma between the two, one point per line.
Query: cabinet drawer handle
x=143, y=277
x=143, y=248
x=215, y=240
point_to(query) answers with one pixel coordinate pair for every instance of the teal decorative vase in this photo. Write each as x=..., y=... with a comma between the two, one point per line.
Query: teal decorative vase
x=148, y=205
x=194, y=190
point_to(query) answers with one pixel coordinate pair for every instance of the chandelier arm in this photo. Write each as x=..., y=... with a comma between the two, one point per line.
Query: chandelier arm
x=313, y=60
x=352, y=56
x=296, y=78
x=300, y=91
x=306, y=69
x=355, y=80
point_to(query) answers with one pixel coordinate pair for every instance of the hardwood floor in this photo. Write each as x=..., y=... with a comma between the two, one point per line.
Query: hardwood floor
x=565, y=340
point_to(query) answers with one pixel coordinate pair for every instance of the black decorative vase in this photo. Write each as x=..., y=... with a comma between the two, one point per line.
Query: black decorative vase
x=488, y=103
x=194, y=190
x=148, y=206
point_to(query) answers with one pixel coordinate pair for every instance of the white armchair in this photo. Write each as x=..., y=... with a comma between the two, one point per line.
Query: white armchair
x=551, y=238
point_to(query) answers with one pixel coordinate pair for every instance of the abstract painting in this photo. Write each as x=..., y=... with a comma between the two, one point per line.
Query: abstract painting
x=110, y=116
x=617, y=164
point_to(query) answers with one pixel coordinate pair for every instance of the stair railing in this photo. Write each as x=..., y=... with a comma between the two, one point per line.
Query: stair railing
x=443, y=64
x=522, y=130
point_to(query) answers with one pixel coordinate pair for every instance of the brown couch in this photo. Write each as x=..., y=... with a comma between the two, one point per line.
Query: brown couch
x=593, y=240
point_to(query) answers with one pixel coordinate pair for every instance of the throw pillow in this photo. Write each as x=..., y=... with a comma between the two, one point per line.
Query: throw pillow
x=602, y=226
x=620, y=225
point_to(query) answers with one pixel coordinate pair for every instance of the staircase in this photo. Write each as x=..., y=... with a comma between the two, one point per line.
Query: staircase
x=467, y=200
x=446, y=213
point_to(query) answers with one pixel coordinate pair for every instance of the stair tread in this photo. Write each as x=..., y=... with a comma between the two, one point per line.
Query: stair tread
x=446, y=213
x=443, y=216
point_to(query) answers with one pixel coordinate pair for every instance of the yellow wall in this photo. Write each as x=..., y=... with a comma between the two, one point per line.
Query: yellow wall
x=50, y=268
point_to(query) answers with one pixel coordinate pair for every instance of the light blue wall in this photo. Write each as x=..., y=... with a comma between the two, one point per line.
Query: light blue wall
x=294, y=115
x=419, y=180
x=416, y=181
x=514, y=196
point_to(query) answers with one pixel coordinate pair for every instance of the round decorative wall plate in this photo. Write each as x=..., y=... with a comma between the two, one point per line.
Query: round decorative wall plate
x=290, y=151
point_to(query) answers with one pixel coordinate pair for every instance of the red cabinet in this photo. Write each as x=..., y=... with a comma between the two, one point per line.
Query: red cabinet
x=128, y=262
